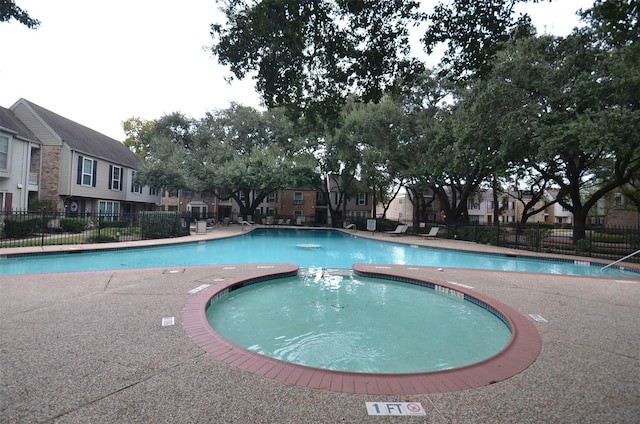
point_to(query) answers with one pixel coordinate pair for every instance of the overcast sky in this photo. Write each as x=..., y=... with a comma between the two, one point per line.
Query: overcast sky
x=101, y=62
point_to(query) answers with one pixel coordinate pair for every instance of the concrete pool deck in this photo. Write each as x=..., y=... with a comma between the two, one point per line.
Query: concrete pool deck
x=90, y=347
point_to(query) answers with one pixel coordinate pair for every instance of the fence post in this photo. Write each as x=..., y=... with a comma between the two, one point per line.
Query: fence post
x=44, y=225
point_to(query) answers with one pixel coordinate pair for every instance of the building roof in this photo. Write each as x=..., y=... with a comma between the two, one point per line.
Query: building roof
x=9, y=122
x=84, y=139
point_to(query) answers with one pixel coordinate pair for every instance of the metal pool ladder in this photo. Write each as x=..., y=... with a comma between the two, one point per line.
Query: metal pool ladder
x=619, y=260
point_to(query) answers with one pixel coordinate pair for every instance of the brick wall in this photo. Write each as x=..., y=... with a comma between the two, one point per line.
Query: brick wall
x=50, y=178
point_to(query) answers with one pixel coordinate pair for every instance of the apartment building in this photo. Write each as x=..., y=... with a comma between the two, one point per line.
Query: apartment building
x=19, y=163
x=78, y=169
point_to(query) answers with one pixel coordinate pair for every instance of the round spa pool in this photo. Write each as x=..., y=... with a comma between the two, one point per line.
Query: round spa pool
x=336, y=320
x=407, y=333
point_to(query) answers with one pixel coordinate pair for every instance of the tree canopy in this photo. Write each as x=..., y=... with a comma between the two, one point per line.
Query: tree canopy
x=512, y=110
x=237, y=153
x=310, y=56
x=473, y=32
x=9, y=10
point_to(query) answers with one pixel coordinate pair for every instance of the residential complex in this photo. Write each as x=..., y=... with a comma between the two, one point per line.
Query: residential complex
x=295, y=205
x=47, y=157
x=614, y=210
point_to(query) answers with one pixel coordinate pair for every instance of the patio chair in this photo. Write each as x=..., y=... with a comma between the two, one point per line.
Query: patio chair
x=433, y=233
x=351, y=227
x=400, y=230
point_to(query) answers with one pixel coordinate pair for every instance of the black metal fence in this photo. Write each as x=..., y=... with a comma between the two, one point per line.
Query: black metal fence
x=42, y=228
x=599, y=242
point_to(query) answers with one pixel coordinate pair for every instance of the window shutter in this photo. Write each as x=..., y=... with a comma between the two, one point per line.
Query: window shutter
x=79, y=181
x=110, y=175
x=121, y=178
x=95, y=171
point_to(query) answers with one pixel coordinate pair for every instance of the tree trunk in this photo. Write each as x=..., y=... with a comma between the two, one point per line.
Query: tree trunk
x=496, y=206
x=579, y=224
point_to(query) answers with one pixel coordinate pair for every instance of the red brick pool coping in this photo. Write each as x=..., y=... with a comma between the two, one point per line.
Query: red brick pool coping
x=521, y=351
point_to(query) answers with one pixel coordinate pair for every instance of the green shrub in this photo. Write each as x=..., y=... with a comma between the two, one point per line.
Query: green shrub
x=536, y=235
x=114, y=224
x=73, y=225
x=101, y=238
x=477, y=233
x=22, y=225
x=383, y=224
x=42, y=204
x=583, y=246
x=155, y=225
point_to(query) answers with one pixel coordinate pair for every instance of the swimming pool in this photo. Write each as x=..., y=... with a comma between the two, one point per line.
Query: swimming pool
x=345, y=322
x=331, y=249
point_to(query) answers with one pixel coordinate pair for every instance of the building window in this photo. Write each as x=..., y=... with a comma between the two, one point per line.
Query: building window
x=4, y=153
x=152, y=191
x=115, y=177
x=297, y=213
x=297, y=197
x=618, y=201
x=272, y=197
x=109, y=210
x=135, y=188
x=87, y=169
x=362, y=199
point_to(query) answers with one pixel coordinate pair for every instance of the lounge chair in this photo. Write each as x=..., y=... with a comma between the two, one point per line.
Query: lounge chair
x=400, y=230
x=433, y=233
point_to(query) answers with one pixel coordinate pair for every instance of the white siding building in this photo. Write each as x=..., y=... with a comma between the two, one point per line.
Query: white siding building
x=83, y=171
x=19, y=163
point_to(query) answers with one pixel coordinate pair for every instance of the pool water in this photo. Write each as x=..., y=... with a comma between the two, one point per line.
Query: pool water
x=341, y=322
x=307, y=248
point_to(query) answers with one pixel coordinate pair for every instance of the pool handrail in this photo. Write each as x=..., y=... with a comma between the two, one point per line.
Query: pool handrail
x=619, y=260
